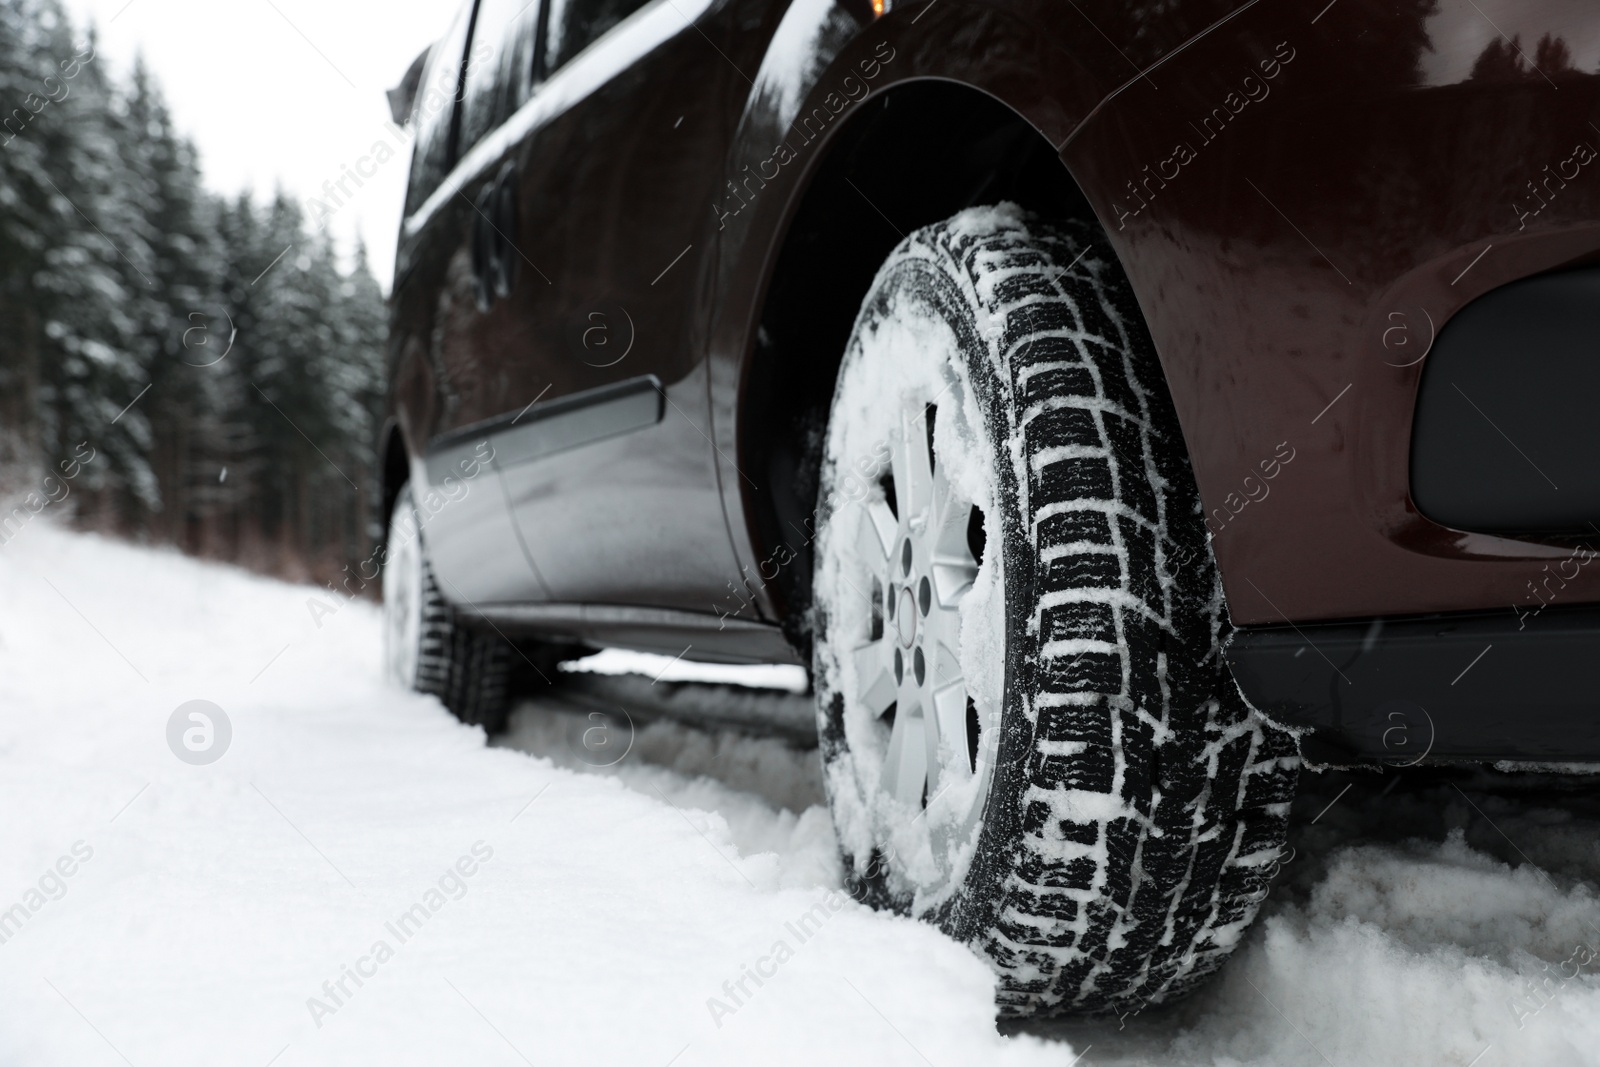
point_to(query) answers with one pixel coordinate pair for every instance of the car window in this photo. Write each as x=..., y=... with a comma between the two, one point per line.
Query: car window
x=434, y=110
x=499, y=65
x=574, y=25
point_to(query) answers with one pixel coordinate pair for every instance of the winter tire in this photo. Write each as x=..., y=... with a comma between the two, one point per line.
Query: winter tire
x=1029, y=734
x=426, y=647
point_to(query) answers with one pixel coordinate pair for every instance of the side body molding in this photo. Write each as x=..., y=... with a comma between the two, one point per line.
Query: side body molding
x=541, y=430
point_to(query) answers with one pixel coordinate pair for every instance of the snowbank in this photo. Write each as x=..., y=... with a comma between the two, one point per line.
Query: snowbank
x=677, y=906
x=303, y=898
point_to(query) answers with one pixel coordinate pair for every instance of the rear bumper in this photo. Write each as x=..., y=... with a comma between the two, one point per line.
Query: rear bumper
x=1480, y=687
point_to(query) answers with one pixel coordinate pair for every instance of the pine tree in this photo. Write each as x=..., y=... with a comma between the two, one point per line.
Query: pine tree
x=363, y=323
x=1552, y=56
x=1501, y=60
x=33, y=45
x=180, y=333
x=87, y=287
x=225, y=370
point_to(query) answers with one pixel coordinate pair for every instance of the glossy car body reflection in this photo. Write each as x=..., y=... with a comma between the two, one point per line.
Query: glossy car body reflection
x=1298, y=191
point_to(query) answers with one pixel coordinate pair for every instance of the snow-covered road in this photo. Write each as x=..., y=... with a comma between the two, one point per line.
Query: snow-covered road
x=359, y=879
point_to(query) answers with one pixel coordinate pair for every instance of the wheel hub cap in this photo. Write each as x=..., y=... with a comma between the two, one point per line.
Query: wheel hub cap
x=905, y=621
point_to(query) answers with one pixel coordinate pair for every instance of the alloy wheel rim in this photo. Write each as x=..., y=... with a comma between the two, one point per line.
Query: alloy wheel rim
x=917, y=552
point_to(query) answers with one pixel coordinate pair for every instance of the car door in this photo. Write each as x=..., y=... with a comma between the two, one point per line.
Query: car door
x=610, y=467
x=442, y=382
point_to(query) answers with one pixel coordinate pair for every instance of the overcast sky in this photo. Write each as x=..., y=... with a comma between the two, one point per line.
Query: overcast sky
x=282, y=91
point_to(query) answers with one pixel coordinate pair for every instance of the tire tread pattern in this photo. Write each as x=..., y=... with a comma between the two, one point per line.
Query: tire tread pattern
x=1150, y=798
x=467, y=669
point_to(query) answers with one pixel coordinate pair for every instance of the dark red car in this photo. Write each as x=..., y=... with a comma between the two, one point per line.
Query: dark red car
x=1112, y=402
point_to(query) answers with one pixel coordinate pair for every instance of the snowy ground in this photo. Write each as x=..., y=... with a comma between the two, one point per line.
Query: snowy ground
x=158, y=912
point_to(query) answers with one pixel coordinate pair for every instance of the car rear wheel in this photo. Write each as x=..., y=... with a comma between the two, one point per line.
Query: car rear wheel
x=1028, y=731
x=426, y=646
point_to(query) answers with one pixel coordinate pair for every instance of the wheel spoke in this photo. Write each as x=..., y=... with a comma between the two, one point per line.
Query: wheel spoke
x=913, y=474
x=950, y=723
x=930, y=743
x=874, y=535
x=953, y=568
x=943, y=498
x=905, y=767
x=952, y=580
x=946, y=667
x=874, y=680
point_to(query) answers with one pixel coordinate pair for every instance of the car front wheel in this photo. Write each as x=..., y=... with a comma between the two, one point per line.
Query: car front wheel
x=1028, y=731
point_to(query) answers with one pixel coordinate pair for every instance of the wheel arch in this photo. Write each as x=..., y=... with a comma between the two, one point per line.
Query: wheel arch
x=910, y=155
